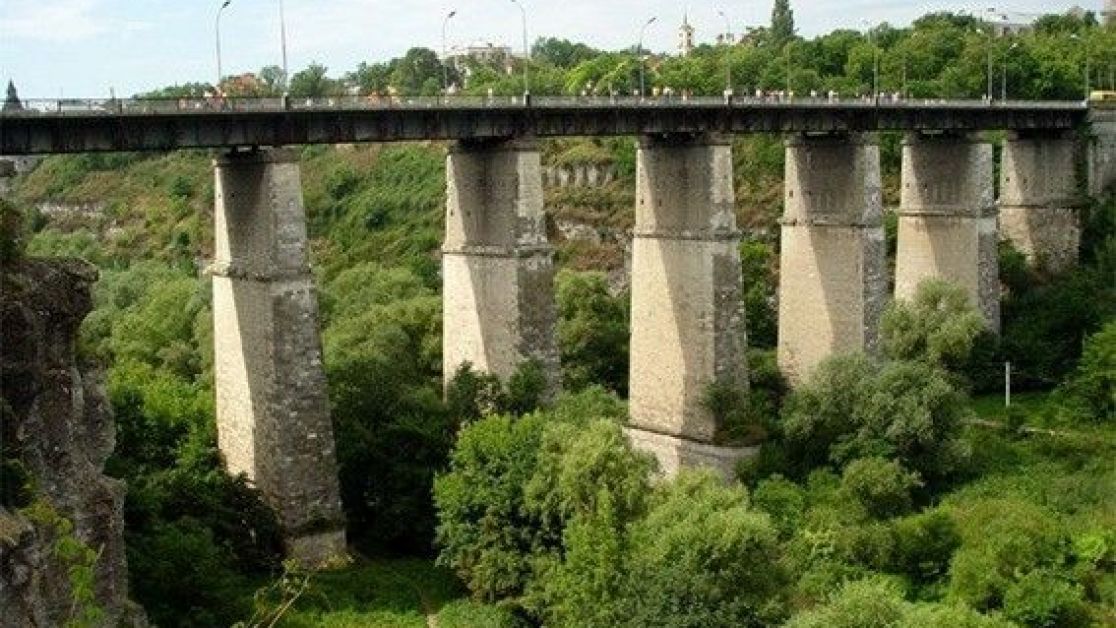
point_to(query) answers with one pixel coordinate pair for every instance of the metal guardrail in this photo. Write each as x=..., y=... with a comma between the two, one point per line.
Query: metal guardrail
x=144, y=107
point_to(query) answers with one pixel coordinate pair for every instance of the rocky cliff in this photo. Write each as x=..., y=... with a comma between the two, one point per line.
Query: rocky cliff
x=62, y=554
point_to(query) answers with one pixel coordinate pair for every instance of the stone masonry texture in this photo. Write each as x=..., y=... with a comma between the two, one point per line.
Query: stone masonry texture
x=947, y=219
x=687, y=318
x=1038, y=197
x=833, y=285
x=272, y=408
x=1102, y=150
x=56, y=421
x=497, y=265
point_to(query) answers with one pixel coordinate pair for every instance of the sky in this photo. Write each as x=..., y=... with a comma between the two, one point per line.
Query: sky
x=87, y=48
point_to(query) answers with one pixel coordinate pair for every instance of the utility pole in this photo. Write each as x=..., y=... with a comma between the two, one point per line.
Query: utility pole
x=639, y=51
x=217, y=29
x=445, y=53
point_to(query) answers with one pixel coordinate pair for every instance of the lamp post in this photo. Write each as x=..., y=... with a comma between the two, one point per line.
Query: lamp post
x=728, y=42
x=1088, y=77
x=220, y=71
x=526, y=54
x=787, y=48
x=445, y=53
x=283, y=45
x=875, y=61
x=639, y=51
x=1003, y=83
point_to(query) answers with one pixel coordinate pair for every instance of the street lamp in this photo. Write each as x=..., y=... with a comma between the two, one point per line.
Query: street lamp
x=526, y=54
x=1003, y=84
x=875, y=60
x=1088, y=77
x=220, y=72
x=728, y=42
x=445, y=53
x=639, y=51
x=283, y=45
x=988, y=90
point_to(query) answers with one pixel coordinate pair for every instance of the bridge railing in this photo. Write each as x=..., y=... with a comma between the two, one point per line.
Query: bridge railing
x=179, y=106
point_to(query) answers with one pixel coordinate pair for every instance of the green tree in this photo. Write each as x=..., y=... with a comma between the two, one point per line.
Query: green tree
x=313, y=82
x=419, y=72
x=852, y=407
x=882, y=487
x=1093, y=384
x=593, y=333
x=561, y=53
x=939, y=326
x=782, y=23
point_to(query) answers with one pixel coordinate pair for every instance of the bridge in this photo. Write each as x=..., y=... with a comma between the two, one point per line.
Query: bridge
x=69, y=126
x=688, y=327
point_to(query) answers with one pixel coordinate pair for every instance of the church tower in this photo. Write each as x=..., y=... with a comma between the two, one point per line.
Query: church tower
x=685, y=36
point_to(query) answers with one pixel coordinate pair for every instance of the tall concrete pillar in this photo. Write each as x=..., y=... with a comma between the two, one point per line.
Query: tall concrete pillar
x=1102, y=149
x=947, y=219
x=498, y=268
x=1038, y=195
x=687, y=314
x=273, y=421
x=833, y=282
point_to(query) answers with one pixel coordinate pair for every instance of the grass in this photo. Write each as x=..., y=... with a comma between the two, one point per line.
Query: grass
x=390, y=593
x=992, y=408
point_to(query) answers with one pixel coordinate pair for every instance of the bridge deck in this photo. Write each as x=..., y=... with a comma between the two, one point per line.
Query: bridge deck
x=145, y=125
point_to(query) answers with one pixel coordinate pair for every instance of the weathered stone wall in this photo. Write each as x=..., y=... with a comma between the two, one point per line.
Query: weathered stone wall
x=687, y=317
x=1038, y=198
x=947, y=219
x=1102, y=150
x=833, y=285
x=578, y=175
x=272, y=407
x=56, y=421
x=497, y=267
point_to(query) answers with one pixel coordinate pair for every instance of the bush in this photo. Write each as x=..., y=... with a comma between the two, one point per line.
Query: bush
x=881, y=487
x=1002, y=539
x=579, y=465
x=589, y=485
x=924, y=545
x=877, y=602
x=702, y=557
x=1043, y=600
x=852, y=408
x=939, y=326
x=12, y=233
x=486, y=533
x=182, y=577
x=593, y=333
x=784, y=500
x=1093, y=385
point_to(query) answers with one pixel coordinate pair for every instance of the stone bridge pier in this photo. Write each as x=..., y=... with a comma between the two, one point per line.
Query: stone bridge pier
x=1038, y=197
x=947, y=219
x=1101, y=150
x=833, y=282
x=687, y=314
x=273, y=420
x=497, y=265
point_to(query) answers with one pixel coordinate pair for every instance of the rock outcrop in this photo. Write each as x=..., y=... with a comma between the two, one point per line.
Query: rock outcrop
x=62, y=554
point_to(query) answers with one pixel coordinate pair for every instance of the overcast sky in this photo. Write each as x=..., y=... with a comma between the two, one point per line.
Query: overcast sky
x=81, y=48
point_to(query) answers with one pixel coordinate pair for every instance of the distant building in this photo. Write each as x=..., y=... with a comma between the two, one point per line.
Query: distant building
x=11, y=101
x=1006, y=25
x=685, y=36
x=1110, y=12
x=488, y=54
